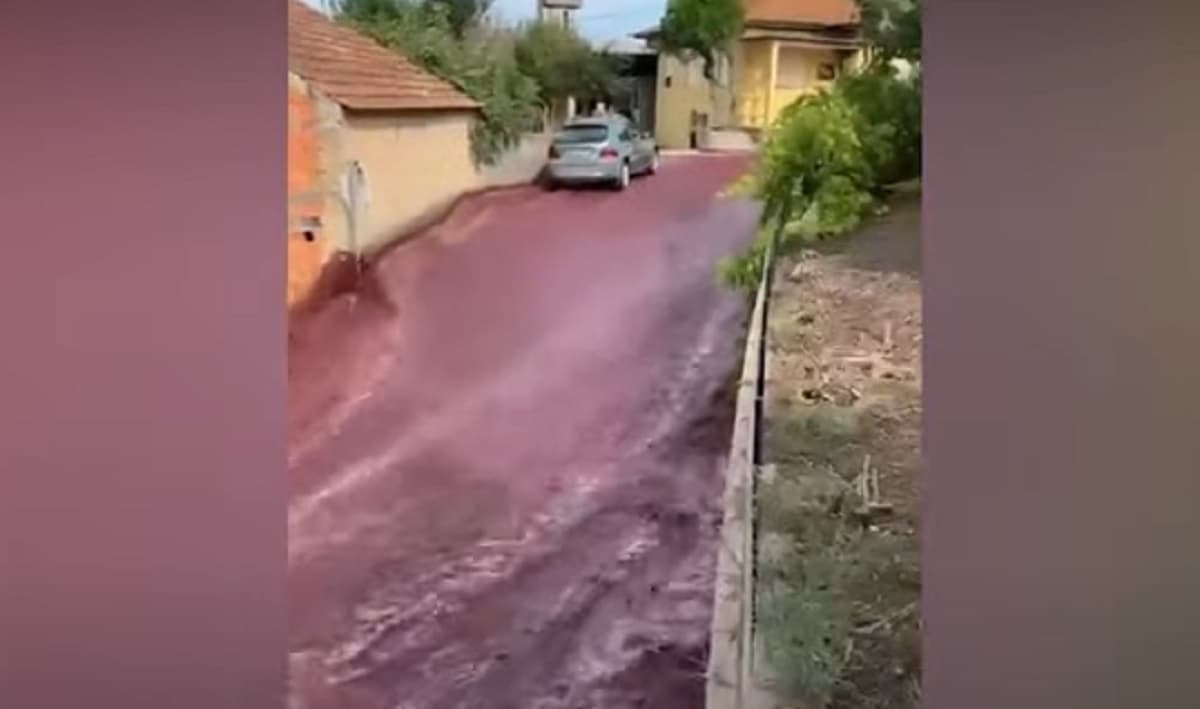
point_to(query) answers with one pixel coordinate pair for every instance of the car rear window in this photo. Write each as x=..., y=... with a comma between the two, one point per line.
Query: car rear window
x=575, y=135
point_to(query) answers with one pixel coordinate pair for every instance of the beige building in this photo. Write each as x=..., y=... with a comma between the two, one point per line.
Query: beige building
x=562, y=12
x=373, y=144
x=688, y=104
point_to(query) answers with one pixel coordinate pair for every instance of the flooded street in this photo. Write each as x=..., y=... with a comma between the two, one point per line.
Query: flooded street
x=505, y=455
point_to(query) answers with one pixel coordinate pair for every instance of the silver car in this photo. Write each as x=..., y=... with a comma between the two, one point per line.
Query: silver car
x=608, y=150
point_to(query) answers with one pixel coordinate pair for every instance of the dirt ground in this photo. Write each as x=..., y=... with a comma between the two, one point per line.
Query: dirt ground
x=840, y=575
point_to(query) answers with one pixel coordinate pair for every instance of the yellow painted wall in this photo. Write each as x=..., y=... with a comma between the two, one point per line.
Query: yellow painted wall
x=799, y=75
x=796, y=74
x=413, y=162
x=752, y=68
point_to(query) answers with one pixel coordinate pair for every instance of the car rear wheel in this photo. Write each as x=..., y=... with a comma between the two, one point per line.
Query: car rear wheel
x=622, y=177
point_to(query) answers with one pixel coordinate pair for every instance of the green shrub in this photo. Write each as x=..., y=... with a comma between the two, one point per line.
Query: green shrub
x=825, y=162
x=481, y=64
x=564, y=64
x=744, y=271
x=813, y=178
x=701, y=28
x=807, y=619
x=888, y=121
x=509, y=98
x=813, y=155
x=893, y=28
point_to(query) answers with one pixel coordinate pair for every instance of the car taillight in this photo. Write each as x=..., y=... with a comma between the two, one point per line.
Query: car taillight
x=553, y=152
x=608, y=153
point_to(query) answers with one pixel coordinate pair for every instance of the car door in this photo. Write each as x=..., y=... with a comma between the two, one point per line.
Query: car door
x=645, y=147
x=628, y=143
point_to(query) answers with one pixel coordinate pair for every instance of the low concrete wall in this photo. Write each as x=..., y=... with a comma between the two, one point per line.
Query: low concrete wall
x=730, y=663
x=728, y=140
x=412, y=160
x=520, y=165
x=517, y=167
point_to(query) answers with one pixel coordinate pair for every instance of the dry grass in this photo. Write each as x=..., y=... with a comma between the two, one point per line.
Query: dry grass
x=840, y=575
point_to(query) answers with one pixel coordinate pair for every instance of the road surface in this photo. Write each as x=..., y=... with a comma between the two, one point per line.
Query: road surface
x=504, y=455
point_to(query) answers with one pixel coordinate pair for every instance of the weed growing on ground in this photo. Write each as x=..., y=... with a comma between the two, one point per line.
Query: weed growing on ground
x=837, y=596
x=804, y=604
x=815, y=435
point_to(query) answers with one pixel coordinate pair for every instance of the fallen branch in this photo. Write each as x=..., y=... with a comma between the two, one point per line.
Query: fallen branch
x=887, y=620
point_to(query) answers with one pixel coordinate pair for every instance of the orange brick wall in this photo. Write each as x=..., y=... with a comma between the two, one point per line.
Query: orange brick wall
x=305, y=253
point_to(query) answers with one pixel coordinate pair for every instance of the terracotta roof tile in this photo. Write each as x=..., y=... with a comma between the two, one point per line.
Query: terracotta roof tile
x=825, y=13
x=356, y=72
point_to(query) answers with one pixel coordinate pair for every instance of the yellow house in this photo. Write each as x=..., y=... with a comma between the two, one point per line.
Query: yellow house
x=788, y=48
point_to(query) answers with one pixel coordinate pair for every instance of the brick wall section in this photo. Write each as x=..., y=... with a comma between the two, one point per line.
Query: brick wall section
x=306, y=242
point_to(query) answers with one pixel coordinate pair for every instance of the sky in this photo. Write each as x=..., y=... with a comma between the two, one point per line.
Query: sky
x=598, y=19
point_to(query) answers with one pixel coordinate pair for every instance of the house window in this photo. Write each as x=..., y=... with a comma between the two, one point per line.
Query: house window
x=667, y=83
x=796, y=68
x=826, y=71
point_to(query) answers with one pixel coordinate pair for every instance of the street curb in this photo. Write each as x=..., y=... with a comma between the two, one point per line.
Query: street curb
x=729, y=679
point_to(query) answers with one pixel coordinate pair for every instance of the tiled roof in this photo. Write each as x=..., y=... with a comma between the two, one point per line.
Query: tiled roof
x=801, y=13
x=825, y=13
x=356, y=72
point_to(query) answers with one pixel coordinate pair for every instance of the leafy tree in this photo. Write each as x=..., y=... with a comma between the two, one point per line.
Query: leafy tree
x=701, y=28
x=893, y=27
x=369, y=10
x=461, y=14
x=564, y=64
x=813, y=178
x=888, y=121
x=813, y=158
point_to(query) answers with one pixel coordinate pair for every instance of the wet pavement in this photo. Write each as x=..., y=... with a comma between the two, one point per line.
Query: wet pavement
x=504, y=455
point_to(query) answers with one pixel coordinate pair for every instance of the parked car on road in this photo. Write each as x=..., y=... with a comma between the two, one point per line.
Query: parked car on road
x=607, y=150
